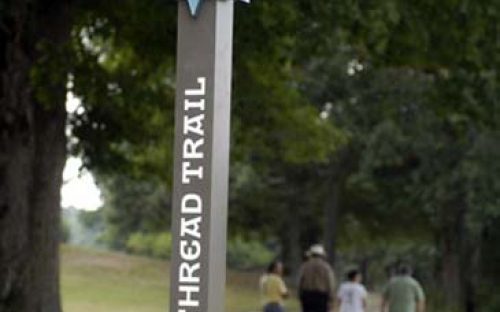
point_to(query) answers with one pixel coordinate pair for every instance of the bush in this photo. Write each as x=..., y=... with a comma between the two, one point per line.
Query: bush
x=241, y=254
x=162, y=246
x=158, y=245
x=140, y=244
x=247, y=254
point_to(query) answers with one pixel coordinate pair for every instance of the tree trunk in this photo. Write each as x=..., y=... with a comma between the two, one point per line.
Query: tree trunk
x=331, y=216
x=364, y=269
x=472, y=271
x=294, y=246
x=453, y=256
x=340, y=167
x=451, y=277
x=291, y=239
x=461, y=270
x=32, y=156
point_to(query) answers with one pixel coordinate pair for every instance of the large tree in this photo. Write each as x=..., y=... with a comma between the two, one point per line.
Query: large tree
x=33, y=40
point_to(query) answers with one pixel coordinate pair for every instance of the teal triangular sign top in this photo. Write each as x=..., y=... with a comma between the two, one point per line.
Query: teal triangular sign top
x=194, y=6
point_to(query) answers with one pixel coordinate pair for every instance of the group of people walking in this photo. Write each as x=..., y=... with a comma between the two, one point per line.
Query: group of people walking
x=317, y=289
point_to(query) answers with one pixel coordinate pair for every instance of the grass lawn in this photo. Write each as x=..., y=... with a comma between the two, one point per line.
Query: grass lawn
x=94, y=281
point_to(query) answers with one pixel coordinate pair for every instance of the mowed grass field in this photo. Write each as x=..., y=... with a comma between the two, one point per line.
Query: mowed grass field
x=96, y=281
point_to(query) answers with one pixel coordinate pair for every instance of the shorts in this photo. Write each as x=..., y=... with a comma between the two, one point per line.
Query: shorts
x=273, y=307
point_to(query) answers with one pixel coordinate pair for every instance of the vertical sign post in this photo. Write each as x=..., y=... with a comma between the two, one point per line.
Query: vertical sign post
x=201, y=161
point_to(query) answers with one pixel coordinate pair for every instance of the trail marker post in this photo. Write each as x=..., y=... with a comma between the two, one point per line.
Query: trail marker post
x=201, y=160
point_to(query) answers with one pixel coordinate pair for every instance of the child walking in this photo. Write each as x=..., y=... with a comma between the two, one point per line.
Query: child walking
x=352, y=295
x=273, y=288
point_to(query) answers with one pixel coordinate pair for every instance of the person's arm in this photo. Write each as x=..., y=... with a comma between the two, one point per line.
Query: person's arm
x=337, y=305
x=365, y=298
x=420, y=298
x=283, y=289
x=300, y=279
x=331, y=285
x=421, y=305
x=338, y=301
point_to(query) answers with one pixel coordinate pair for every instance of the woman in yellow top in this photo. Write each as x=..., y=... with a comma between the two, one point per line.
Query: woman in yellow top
x=273, y=288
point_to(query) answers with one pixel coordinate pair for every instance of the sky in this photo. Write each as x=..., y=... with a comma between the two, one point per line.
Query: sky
x=79, y=188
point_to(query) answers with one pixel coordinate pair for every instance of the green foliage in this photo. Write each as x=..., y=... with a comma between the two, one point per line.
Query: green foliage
x=92, y=220
x=396, y=101
x=157, y=245
x=133, y=206
x=241, y=253
x=423, y=34
x=162, y=245
x=139, y=243
x=418, y=113
x=124, y=74
x=247, y=254
x=492, y=305
x=51, y=70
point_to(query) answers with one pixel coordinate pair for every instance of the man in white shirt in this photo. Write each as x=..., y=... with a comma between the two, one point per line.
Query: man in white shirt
x=352, y=296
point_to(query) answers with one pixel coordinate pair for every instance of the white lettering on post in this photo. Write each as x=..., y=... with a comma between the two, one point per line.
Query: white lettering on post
x=190, y=248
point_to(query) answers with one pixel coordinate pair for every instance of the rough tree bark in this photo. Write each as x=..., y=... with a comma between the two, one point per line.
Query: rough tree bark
x=32, y=154
x=457, y=259
x=472, y=269
x=451, y=276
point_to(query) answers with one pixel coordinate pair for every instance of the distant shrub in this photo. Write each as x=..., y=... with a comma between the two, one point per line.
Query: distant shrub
x=241, y=253
x=488, y=296
x=492, y=306
x=140, y=244
x=162, y=245
x=247, y=254
x=157, y=245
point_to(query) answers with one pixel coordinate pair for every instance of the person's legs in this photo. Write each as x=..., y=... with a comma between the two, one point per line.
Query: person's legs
x=314, y=301
x=322, y=301
x=305, y=301
x=273, y=307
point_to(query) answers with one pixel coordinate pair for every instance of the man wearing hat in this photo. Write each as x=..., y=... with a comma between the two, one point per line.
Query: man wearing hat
x=316, y=282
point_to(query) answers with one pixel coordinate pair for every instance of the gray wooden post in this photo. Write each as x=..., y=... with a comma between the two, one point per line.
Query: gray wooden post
x=201, y=161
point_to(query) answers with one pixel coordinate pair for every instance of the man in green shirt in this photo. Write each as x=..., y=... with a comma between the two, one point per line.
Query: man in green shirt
x=403, y=293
